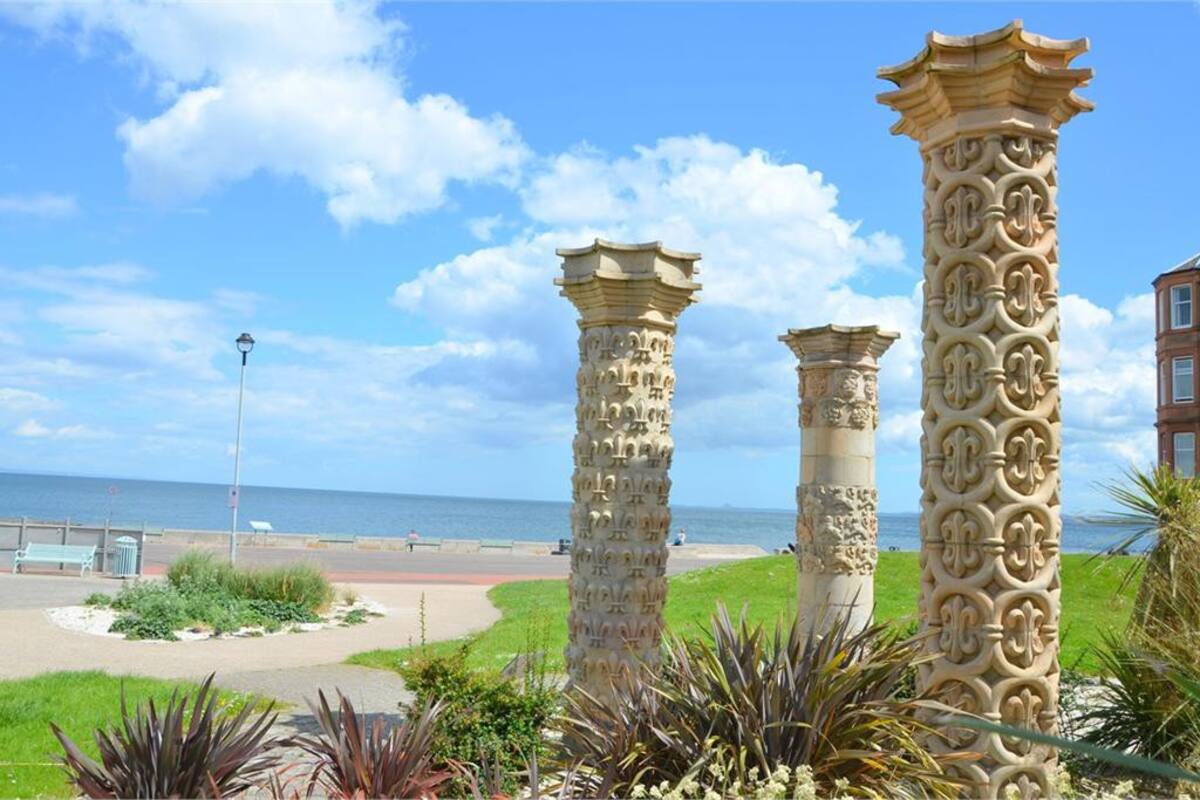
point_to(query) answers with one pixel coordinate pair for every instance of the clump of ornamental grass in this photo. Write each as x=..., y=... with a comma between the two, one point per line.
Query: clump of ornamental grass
x=191, y=748
x=357, y=759
x=743, y=704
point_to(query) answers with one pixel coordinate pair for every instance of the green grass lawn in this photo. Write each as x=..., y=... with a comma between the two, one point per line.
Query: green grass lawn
x=78, y=702
x=535, y=612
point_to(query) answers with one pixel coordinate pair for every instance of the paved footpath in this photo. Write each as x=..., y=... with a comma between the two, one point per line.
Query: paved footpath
x=289, y=667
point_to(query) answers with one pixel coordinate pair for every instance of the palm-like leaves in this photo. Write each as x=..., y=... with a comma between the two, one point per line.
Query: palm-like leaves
x=354, y=760
x=750, y=700
x=1151, y=709
x=1162, y=508
x=182, y=752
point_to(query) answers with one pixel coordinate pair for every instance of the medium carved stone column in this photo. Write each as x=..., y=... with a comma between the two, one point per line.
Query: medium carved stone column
x=836, y=524
x=986, y=110
x=628, y=296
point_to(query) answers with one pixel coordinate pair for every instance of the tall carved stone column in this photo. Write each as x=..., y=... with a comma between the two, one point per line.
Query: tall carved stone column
x=986, y=110
x=628, y=296
x=836, y=524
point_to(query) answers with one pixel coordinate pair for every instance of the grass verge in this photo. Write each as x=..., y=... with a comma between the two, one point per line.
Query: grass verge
x=78, y=702
x=536, y=611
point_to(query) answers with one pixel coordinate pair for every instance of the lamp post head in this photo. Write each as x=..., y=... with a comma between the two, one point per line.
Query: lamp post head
x=245, y=343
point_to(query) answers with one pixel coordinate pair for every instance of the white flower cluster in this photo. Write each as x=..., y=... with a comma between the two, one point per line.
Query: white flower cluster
x=1064, y=788
x=783, y=783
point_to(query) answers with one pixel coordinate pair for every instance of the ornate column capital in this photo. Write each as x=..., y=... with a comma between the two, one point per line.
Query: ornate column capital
x=1004, y=80
x=628, y=284
x=837, y=373
x=839, y=345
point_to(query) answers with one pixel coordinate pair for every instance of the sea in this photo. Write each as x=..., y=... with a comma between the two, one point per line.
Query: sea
x=205, y=506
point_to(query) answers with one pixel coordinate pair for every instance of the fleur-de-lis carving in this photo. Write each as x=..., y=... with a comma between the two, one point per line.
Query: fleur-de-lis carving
x=1022, y=709
x=960, y=543
x=964, y=301
x=1025, y=453
x=962, y=209
x=1023, y=641
x=1024, y=285
x=957, y=694
x=1023, y=214
x=963, y=385
x=1023, y=382
x=962, y=448
x=1023, y=150
x=1024, y=555
x=1023, y=786
x=960, y=637
x=959, y=154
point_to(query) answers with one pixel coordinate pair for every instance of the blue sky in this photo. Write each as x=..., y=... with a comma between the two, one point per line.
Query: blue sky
x=376, y=191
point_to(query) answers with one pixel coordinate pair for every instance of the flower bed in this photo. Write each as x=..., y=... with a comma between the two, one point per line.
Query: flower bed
x=203, y=597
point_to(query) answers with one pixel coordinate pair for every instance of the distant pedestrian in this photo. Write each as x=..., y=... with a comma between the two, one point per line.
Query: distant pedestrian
x=681, y=537
x=413, y=538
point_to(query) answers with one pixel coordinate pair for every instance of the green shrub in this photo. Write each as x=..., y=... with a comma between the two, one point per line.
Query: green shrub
x=355, y=616
x=135, y=626
x=98, y=600
x=493, y=723
x=260, y=612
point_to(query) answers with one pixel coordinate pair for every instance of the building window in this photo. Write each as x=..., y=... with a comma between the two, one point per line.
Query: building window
x=1181, y=306
x=1160, y=311
x=1182, y=390
x=1162, y=382
x=1185, y=455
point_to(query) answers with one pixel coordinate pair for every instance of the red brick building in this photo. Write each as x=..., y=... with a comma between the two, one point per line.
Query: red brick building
x=1177, y=348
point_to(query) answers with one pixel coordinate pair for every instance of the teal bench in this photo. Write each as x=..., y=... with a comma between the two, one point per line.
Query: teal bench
x=496, y=544
x=56, y=554
x=432, y=544
x=337, y=538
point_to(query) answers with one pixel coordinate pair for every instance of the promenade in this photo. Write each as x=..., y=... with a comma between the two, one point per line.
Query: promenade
x=348, y=565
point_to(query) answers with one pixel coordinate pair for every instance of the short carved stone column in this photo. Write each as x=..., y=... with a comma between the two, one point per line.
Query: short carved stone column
x=628, y=297
x=986, y=111
x=836, y=524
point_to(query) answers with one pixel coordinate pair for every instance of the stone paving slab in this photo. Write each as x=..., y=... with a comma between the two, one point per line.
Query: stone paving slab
x=372, y=691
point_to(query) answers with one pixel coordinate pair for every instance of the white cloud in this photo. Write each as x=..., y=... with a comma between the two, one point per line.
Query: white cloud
x=32, y=429
x=1109, y=389
x=302, y=90
x=106, y=326
x=900, y=429
x=483, y=228
x=44, y=204
x=776, y=255
x=23, y=401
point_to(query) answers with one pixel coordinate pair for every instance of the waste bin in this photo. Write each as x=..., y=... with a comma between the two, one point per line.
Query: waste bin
x=125, y=557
